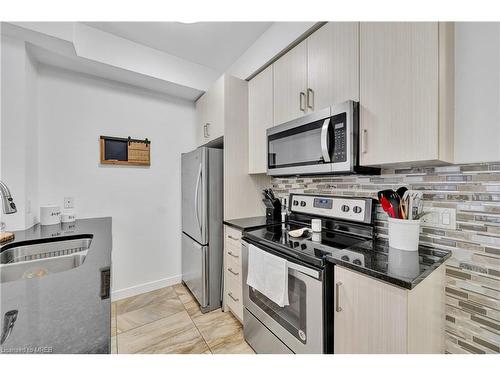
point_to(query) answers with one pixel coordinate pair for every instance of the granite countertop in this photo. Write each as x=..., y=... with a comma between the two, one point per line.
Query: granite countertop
x=62, y=312
x=402, y=268
x=247, y=223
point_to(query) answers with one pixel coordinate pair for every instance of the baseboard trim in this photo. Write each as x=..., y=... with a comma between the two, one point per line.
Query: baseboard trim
x=144, y=288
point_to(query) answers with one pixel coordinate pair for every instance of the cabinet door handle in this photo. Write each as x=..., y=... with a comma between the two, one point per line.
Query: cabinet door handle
x=233, y=238
x=364, y=141
x=232, y=297
x=207, y=133
x=234, y=273
x=337, y=297
x=232, y=254
x=310, y=98
x=302, y=101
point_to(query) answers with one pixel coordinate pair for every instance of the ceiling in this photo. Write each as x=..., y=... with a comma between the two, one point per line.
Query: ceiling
x=216, y=45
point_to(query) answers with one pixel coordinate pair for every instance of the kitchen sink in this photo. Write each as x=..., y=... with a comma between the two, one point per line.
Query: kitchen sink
x=28, y=260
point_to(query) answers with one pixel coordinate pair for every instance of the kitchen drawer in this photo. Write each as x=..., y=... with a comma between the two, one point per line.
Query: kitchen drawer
x=232, y=234
x=233, y=270
x=233, y=252
x=234, y=292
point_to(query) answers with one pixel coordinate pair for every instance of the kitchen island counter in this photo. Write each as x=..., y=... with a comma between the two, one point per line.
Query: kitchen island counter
x=67, y=311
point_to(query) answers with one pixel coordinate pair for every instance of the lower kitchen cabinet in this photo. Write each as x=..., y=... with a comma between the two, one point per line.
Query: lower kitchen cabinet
x=374, y=317
x=233, y=286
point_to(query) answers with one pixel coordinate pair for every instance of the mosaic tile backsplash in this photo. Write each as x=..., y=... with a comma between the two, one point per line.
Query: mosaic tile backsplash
x=473, y=272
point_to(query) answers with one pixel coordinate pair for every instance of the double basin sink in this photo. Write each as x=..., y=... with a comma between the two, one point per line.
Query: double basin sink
x=39, y=258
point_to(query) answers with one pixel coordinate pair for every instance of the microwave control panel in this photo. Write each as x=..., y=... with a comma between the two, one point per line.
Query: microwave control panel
x=340, y=142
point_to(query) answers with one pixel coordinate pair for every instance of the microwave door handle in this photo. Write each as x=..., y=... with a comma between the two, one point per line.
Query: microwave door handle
x=324, y=141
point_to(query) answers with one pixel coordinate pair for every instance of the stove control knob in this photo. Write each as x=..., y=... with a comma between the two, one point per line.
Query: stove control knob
x=302, y=204
x=345, y=208
x=295, y=203
x=357, y=209
x=357, y=262
x=345, y=258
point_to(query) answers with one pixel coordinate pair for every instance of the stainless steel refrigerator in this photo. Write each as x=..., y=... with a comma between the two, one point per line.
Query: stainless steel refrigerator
x=202, y=229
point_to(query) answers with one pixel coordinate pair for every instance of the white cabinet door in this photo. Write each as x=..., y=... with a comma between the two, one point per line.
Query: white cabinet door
x=477, y=92
x=260, y=118
x=290, y=84
x=210, y=113
x=215, y=116
x=201, y=120
x=399, y=89
x=333, y=65
x=370, y=316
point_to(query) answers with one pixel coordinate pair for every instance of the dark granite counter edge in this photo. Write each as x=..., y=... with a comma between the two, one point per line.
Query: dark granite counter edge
x=247, y=223
x=388, y=278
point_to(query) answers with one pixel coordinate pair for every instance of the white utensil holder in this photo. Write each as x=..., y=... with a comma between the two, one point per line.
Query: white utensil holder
x=404, y=234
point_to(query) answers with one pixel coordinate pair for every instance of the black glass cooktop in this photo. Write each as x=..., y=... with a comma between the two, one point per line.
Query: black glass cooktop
x=311, y=247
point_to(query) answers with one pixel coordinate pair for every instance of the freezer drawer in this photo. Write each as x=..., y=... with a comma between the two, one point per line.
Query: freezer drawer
x=195, y=269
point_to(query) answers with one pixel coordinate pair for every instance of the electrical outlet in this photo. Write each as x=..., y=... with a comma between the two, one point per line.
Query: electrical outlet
x=440, y=217
x=69, y=202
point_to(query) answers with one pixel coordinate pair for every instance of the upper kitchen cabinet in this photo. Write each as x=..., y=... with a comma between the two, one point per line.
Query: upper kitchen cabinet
x=320, y=71
x=290, y=84
x=260, y=118
x=477, y=92
x=210, y=113
x=333, y=65
x=406, y=92
x=201, y=119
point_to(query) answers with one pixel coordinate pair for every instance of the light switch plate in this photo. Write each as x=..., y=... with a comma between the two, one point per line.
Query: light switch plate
x=440, y=217
x=69, y=202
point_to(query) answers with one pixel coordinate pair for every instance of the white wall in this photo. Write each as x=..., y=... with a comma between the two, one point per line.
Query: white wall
x=477, y=92
x=19, y=147
x=145, y=203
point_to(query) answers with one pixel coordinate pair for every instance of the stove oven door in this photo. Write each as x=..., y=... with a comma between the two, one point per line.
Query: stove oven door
x=299, y=326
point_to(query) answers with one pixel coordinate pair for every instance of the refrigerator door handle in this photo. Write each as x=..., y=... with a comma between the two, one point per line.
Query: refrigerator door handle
x=196, y=199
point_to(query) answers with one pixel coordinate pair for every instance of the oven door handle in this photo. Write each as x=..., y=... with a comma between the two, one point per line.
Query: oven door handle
x=291, y=265
x=324, y=141
x=307, y=271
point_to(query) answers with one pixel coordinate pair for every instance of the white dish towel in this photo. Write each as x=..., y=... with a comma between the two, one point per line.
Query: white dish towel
x=268, y=274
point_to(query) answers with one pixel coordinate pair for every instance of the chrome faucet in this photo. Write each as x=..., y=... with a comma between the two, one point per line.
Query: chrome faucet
x=8, y=205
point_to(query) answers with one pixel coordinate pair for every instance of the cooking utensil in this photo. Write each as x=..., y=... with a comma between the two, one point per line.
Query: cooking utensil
x=416, y=205
x=404, y=203
x=387, y=206
x=396, y=204
x=402, y=191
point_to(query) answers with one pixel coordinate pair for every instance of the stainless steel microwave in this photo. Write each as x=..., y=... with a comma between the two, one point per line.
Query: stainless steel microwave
x=323, y=142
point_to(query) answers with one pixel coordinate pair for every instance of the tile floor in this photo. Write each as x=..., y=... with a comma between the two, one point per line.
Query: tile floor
x=169, y=321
